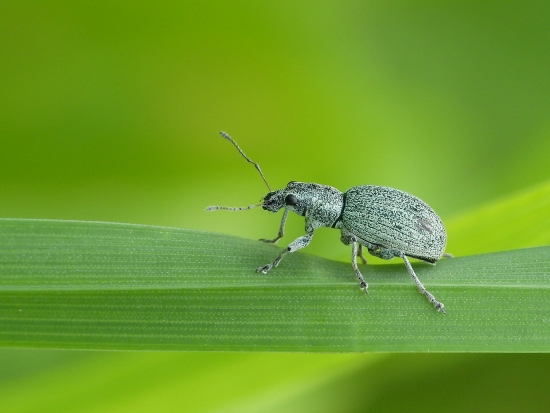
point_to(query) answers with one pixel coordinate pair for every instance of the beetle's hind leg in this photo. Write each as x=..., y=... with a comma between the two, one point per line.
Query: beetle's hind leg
x=383, y=253
x=438, y=306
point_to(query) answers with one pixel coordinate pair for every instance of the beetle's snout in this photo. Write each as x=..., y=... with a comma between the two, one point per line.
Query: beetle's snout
x=272, y=201
x=269, y=201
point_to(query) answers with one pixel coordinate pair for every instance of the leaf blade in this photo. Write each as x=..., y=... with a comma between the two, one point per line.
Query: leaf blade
x=71, y=284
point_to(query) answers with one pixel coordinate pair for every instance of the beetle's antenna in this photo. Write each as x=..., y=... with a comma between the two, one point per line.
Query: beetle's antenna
x=230, y=139
x=215, y=208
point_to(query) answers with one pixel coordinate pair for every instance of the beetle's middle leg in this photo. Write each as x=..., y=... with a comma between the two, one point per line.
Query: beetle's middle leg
x=354, y=254
x=347, y=240
x=298, y=243
x=356, y=251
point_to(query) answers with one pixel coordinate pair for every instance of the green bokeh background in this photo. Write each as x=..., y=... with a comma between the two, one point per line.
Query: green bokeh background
x=110, y=111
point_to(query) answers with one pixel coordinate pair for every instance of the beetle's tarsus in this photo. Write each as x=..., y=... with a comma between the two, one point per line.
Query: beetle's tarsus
x=264, y=269
x=270, y=241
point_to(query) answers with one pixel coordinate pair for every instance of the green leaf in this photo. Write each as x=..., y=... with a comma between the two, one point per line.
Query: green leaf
x=69, y=284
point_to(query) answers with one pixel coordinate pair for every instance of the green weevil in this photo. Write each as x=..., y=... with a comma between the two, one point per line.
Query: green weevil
x=388, y=222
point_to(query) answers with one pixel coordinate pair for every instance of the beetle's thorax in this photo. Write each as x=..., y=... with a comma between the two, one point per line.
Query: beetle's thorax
x=320, y=203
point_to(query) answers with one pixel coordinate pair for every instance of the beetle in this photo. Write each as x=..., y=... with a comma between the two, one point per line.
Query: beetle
x=388, y=222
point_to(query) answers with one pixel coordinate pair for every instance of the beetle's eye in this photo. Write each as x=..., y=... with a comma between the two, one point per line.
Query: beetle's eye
x=291, y=200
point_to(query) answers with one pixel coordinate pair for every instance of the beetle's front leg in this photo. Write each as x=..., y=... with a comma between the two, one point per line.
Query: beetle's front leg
x=281, y=230
x=297, y=244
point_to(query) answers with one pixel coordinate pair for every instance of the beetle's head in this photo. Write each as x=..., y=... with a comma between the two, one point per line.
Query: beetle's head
x=288, y=197
x=273, y=201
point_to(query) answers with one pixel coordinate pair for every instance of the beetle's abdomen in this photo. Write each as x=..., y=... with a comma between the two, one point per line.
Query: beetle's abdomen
x=394, y=219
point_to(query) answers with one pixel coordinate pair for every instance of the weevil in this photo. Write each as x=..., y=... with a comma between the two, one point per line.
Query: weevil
x=388, y=222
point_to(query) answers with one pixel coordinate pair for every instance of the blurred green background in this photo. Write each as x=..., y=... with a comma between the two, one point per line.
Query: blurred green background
x=110, y=111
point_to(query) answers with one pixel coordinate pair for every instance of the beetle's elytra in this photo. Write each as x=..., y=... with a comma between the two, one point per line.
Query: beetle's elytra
x=388, y=222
